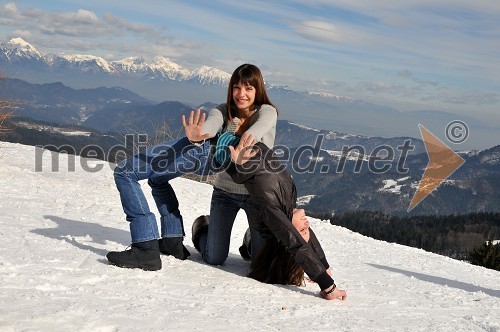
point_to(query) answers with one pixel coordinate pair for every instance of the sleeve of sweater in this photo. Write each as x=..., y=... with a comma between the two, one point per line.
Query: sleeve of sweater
x=266, y=118
x=214, y=121
x=279, y=224
x=313, y=241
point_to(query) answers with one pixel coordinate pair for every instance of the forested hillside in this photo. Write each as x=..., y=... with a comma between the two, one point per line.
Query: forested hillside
x=451, y=235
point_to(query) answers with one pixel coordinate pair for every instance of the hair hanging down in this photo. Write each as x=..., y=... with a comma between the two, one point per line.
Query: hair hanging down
x=247, y=74
x=274, y=265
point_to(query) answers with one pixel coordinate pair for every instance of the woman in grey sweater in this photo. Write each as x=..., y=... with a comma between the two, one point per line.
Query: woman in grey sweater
x=249, y=108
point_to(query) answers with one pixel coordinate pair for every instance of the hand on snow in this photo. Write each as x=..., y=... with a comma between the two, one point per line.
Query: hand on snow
x=336, y=294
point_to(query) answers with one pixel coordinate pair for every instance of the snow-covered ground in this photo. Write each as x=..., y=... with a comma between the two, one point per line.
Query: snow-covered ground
x=56, y=228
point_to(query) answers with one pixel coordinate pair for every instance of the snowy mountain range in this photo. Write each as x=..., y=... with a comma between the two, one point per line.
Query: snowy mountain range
x=26, y=62
x=159, y=68
x=161, y=79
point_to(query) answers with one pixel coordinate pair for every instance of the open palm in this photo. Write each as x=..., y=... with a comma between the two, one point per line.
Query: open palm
x=244, y=150
x=194, y=125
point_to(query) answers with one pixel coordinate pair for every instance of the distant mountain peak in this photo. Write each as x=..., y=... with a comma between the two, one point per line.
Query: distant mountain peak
x=131, y=64
x=276, y=86
x=84, y=59
x=169, y=68
x=131, y=60
x=21, y=42
x=206, y=74
x=18, y=41
x=22, y=48
x=160, y=59
x=329, y=95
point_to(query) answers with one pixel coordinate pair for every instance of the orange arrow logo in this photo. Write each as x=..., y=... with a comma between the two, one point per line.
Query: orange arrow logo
x=443, y=161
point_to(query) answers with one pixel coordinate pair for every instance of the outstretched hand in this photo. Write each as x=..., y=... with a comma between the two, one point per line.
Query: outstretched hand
x=244, y=151
x=194, y=125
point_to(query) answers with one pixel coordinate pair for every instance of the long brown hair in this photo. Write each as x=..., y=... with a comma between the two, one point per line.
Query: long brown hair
x=251, y=75
x=274, y=265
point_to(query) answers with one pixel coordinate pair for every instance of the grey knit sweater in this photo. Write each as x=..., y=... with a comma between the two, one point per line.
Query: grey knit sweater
x=262, y=127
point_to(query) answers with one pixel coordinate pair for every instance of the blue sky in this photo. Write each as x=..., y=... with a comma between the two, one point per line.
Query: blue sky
x=413, y=55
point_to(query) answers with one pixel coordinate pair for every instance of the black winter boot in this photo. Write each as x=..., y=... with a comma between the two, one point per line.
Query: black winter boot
x=141, y=255
x=200, y=226
x=246, y=246
x=173, y=246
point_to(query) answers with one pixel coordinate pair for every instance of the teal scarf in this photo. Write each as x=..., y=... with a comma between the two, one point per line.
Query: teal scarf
x=222, y=153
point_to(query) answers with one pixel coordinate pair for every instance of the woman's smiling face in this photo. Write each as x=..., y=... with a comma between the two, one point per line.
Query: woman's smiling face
x=244, y=96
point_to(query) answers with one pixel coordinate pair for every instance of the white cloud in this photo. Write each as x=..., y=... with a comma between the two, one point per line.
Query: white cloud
x=319, y=31
x=10, y=8
x=85, y=17
x=84, y=31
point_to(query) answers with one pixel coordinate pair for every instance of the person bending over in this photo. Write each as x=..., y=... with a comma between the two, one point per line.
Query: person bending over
x=291, y=247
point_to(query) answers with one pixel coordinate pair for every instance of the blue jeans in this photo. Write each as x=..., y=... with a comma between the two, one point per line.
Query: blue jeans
x=158, y=164
x=223, y=210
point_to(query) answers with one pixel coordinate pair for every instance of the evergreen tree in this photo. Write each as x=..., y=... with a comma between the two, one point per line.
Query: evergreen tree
x=487, y=255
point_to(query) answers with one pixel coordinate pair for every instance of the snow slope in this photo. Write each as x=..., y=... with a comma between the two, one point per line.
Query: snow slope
x=56, y=228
